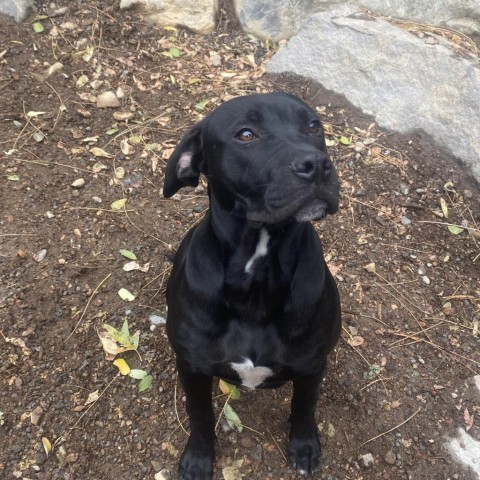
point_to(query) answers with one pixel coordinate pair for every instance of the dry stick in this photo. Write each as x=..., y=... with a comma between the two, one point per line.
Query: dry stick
x=391, y=430
x=175, y=405
x=63, y=437
x=375, y=381
x=223, y=409
x=18, y=234
x=404, y=306
x=402, y=248
x=159, y=289
x=279, y=449
x=97, y=209
x=449, y=224
x=438, y=347
x=20, y=135
x=358, y=314
x=135, y=127
x=45, y=164
x=128, y=217
x=418, y=333
x=88, y=303
x=61, y=103
x=165, y=270
x=396, y=291
x=364, y=359
x=357, y=351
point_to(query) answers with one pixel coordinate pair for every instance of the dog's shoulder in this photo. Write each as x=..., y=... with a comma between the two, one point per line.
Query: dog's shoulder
x=198, y=264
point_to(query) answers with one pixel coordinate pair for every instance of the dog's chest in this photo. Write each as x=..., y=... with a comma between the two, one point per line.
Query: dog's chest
x=251, y=376
x=251, y=354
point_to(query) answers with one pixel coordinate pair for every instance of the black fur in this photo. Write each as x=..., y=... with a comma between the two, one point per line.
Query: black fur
x=269, y=173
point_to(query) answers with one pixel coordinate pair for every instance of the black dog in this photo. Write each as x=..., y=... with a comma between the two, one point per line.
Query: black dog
x=250, y=298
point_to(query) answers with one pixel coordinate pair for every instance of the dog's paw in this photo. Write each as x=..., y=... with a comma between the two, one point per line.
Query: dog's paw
x=304, y=454
x=195, y=464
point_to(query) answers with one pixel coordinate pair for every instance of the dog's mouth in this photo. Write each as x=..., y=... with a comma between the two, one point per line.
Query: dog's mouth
x=316, y=210
x=307, y=205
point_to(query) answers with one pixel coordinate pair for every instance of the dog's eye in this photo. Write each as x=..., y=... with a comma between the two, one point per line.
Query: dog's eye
x=314, y=126
x=245, y=135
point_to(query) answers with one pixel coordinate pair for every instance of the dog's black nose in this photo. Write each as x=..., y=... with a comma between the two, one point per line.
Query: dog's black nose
x=308, y=166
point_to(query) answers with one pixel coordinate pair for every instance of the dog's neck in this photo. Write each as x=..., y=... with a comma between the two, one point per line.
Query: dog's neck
x=246, y=244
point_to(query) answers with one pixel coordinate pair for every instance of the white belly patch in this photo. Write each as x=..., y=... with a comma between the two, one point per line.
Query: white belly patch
x=250, y=375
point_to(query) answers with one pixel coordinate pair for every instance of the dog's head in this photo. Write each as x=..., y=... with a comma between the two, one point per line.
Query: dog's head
x=264, y=156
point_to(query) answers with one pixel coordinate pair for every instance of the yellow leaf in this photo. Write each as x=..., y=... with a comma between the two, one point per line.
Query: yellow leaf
x=99, y=152
x=92, y=397
x=108, y=344
x=228, y=389
x=122, y=366
x=126, y=295
x=46, y=445
x=118, y=205
x=370, y=267
x=444, y=206
x=119, y=173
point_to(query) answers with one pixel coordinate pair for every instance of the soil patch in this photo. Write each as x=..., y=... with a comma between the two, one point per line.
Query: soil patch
x=400, y=380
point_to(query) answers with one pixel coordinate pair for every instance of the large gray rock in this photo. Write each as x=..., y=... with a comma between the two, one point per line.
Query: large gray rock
x=463, y=15
x=18, y=9
x=406, y=83
x=273, y=20
x=283, y=18
x=198, y=15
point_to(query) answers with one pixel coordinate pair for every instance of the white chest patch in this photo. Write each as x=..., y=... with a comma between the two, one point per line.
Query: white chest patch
x=260, y=251
x=250, y=375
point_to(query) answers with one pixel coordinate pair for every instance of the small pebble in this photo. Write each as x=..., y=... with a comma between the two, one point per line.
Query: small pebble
x=360, y=192
x=97, y=199
x=157, y=320
x=96, y=84
x=468, y=194
x=404, y=188
x=107, y=100
x=78, y=183
x=390, y=457
x=359, y=147
x=367, y=460
x=257, y=453
x=163, y=474
x=40, y=255
x=199, y=189
x=38, y=137
x=422, y=270
x=215, y=59
x=405, y=221
x=35, y=415
x=122, y=116
x=49, y=214
x=426, y=280
x=177, y=197
x=77, y=233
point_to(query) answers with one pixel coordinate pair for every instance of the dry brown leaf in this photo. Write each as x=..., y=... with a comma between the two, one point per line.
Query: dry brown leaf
x=468, y=419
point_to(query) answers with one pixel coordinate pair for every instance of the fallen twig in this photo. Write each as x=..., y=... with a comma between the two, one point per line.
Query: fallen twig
x=391, y=430
x=88, y=303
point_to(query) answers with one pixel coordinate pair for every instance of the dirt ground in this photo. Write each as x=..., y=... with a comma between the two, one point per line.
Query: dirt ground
x=401, y=379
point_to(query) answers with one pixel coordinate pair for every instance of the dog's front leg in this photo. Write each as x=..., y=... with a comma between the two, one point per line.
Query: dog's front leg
x=197, y=458
x=304, y=443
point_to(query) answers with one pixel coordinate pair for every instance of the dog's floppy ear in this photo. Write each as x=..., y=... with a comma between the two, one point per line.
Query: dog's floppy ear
x=186, y=162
